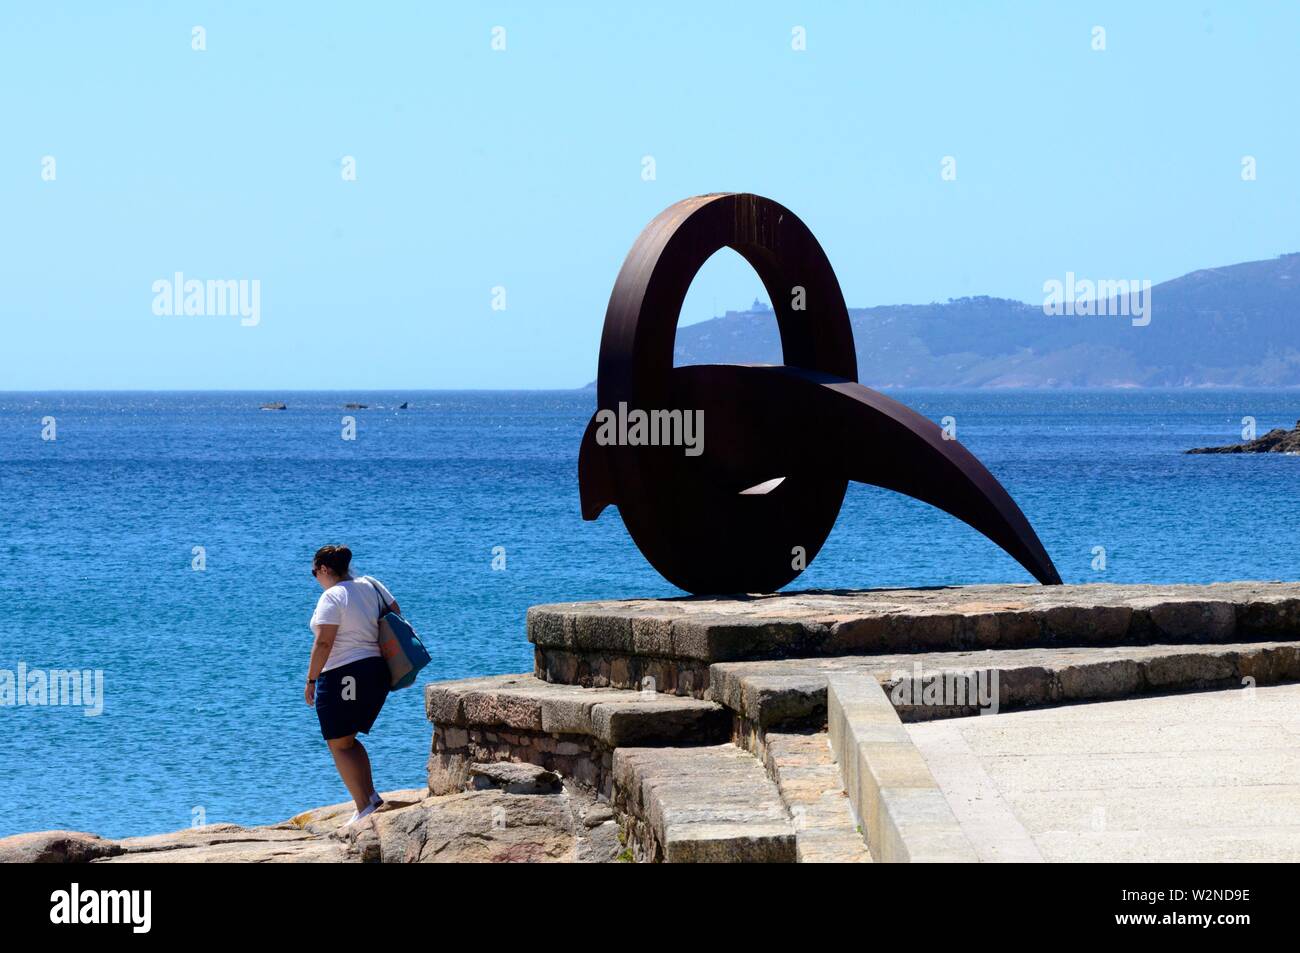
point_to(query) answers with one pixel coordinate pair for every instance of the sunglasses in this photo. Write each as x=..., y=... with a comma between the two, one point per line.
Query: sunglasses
x=315, y=570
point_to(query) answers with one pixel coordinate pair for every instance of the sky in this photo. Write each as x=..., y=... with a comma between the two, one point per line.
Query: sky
x=497, y=190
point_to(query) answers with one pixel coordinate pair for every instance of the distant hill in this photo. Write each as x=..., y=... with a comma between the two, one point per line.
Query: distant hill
x=1233, y=326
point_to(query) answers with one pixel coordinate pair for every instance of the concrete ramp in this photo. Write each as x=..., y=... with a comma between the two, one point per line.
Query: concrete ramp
x=1190, y=778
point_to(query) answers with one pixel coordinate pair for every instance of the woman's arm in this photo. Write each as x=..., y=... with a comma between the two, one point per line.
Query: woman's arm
x=394, y=607
x=320, y=652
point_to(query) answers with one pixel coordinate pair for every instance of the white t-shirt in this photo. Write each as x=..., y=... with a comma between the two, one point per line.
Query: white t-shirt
x=353, y=606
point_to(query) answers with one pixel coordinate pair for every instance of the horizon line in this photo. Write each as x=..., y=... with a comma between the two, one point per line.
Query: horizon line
x=588, y=387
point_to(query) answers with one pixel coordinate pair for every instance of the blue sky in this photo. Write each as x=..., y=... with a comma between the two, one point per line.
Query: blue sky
x=522, y=168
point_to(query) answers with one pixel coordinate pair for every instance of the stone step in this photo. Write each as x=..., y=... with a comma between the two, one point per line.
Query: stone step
x=793, y=691
x=711, y=804
x=669, y=644
x=564, y=728
x=615, y=717
x=808, y=779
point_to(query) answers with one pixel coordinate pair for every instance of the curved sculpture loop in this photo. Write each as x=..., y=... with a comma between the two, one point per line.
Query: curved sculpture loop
x=730, y=477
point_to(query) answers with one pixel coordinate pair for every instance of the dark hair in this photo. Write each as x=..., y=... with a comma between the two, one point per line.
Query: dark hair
x=336, y=559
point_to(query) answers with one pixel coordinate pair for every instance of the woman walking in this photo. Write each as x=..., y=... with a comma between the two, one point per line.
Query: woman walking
x=347, y=678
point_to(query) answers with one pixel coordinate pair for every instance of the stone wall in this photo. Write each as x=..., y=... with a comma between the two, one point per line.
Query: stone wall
x=671, y=676
x=580, y=758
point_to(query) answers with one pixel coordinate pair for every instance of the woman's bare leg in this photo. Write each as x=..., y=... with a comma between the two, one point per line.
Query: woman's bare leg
x=353, y=764
x=365, y=766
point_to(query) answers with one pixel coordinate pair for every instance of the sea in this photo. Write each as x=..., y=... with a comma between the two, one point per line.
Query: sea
x=162, y=543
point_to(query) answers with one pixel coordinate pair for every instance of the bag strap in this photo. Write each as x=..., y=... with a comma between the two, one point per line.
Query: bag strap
x=374, y=584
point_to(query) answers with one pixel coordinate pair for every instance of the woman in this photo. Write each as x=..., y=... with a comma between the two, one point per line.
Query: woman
x=347, y=678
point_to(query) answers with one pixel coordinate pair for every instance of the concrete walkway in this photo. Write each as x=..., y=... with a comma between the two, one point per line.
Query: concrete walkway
x=1209, y=776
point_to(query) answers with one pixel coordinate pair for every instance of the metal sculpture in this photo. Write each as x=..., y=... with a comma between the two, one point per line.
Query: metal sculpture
x=749, y=508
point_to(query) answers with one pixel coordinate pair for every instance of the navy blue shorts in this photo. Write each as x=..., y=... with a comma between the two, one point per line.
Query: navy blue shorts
x=349, y=707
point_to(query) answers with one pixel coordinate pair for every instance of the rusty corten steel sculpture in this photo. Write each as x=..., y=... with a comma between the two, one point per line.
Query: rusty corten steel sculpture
x=780, y=443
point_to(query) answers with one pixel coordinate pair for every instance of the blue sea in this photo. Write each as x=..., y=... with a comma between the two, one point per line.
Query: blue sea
x=203, y=716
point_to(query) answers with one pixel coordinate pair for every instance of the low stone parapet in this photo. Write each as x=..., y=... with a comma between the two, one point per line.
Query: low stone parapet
x=904, y=814
x=670, y=644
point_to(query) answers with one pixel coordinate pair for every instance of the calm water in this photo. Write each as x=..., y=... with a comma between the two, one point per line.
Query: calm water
x=203, y=670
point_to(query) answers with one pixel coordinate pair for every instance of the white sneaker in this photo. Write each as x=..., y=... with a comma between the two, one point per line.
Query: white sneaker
x=363, y=813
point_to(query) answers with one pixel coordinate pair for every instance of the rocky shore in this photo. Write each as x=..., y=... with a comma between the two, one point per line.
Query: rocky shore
x=1275, y=441
x=509, y=813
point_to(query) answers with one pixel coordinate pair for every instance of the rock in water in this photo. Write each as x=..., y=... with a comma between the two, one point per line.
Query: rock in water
x=275, y=405
x=1275, y=441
